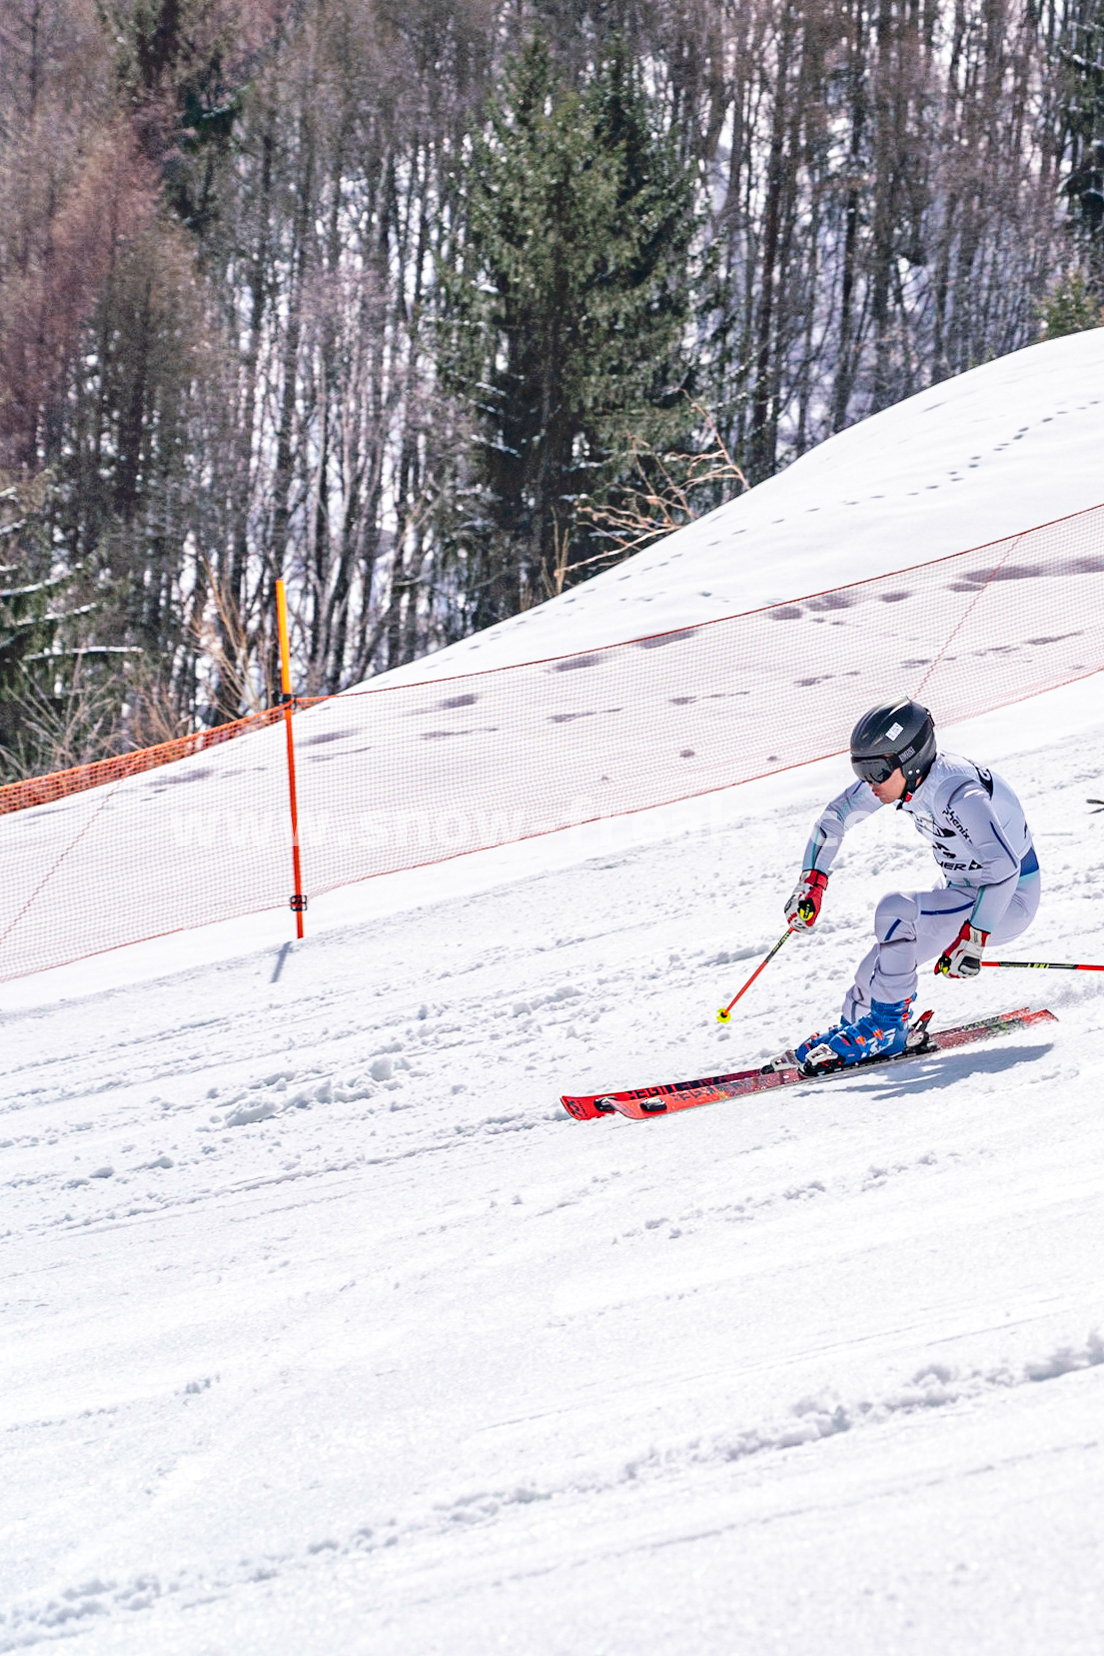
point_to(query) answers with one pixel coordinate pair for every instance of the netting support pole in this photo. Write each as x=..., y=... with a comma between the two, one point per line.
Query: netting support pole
x=298, y=900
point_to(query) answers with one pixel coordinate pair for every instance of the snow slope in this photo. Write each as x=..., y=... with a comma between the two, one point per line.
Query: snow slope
x=1015, y=443
x=325, y=1329
x=392, y=779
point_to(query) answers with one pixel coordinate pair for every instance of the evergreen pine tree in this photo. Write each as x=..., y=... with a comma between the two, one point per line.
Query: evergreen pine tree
x=1083, y=112
x=27, y=628
x=1070, y=307
x=183, y=66
x=26, y=631
x=59, y=693
x=565, y=315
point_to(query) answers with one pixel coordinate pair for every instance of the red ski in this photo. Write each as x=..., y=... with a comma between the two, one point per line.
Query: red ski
x=642, y=1102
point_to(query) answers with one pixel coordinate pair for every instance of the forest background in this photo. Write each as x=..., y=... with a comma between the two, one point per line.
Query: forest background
x=435, y=308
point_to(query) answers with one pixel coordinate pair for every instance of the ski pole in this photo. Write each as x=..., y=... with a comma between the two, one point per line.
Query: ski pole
x=726, y=1011
x=1044, y=965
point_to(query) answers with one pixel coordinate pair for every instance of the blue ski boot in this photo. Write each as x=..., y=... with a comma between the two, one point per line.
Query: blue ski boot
x=794, y=1057
x=882, y=1032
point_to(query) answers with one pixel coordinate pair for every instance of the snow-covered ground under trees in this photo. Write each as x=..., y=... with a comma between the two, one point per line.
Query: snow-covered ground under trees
x=325, y=1329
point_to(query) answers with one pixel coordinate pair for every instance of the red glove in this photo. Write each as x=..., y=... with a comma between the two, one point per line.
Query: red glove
x=804, y=905
x=963, y=958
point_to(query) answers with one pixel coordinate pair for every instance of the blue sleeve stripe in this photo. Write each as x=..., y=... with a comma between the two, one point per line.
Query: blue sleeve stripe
x=814, y=847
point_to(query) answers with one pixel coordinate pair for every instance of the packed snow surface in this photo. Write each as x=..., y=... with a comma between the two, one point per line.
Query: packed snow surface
x=325, y=1329
x=1002, y=449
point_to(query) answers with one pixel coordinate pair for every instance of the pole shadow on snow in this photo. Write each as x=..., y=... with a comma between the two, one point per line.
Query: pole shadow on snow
x=946, y=1070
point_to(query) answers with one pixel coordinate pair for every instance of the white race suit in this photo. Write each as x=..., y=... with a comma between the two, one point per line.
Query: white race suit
x=976, y=828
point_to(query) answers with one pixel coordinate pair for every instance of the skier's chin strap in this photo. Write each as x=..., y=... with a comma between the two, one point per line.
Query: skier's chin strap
x=909, y=793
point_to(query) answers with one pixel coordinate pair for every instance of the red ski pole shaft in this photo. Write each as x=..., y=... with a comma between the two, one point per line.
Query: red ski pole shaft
x=726, y=1011
x=1044, y=965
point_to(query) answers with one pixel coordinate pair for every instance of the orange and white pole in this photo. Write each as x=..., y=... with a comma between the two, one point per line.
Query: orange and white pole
x=298, y=900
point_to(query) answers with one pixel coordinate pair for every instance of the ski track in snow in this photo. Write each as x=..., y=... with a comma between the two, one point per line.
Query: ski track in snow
x=326, y=1329
x=193, y=1190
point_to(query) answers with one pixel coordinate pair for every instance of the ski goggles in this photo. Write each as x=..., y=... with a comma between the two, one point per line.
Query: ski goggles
x=874, y=768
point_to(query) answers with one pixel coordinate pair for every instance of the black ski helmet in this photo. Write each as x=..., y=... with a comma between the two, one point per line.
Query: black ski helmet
x=895, y=733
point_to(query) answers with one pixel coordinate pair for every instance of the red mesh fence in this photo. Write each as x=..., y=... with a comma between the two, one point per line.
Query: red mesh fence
x=43, y=790
x=396, y=777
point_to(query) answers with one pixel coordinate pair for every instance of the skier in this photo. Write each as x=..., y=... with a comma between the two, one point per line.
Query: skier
x=990, y=892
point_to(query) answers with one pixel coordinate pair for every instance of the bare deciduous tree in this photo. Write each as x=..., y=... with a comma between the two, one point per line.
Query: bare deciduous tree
x=228, y=230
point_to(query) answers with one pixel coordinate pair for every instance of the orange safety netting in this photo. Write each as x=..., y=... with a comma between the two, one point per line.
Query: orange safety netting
x=42, y=790
x=396, y=777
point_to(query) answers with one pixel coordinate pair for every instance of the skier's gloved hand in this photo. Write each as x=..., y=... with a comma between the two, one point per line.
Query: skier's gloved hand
x=804, y=905
x=963, y=958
